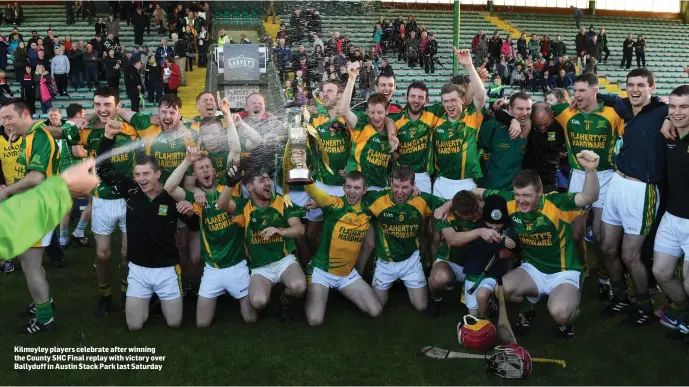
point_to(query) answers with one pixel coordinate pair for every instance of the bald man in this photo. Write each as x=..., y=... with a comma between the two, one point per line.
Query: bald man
x=545, y=146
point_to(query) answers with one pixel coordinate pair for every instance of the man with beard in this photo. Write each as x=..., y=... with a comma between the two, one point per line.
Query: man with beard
x=502, y=158
x=152, y=216
x=399, y=219
x=167, y=142
x=385, y=85
x=632, y=203
x=346, y=225
x=109, y=209
x=592, y=126
x=226, y=267
x=270, y=229
x=38, y=159
x=545, y=145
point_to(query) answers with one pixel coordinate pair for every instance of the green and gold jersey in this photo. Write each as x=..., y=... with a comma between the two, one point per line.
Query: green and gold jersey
x=545, y=235
x=597, y=131
x=89, y=137
x=398, y=226
x=168, y=148
x=222, y=241
x=195, y=123
x=370, y=154
x=336, y=144
x=219, y=161
x=344, y=229
x=38, y=152
x=255, y=219
x=415, y=139
x=9, y=153
x=454, y=254
x=455, y=147
x=504, y=155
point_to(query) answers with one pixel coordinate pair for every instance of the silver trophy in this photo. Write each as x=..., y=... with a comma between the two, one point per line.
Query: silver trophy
x=298, y=136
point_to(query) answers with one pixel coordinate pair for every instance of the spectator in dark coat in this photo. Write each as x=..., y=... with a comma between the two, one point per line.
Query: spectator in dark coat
x=91, y=61
x=163, y=51
x=76, y=67
x=132, y=82
x=113, y=65
x=385, y=68
x=154, y=80
x=580, y=40
x=627, y=51
x=139, y=21
x=100, y=27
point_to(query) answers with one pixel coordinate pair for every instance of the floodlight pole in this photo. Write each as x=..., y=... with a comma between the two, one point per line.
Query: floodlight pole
x=455, y=36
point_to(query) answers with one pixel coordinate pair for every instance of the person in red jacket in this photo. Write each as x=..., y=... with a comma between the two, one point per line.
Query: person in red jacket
x=171, y=76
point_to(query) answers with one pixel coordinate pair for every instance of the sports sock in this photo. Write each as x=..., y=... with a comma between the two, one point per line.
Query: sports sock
x=81, y=227
x=619, y=290
x=644, y=301
x=105, y=290
x=124, y=286
x=285, y=300
x=63, y=236
x=44, y=312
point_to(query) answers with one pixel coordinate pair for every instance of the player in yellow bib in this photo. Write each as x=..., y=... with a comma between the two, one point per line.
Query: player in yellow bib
x=9, y=152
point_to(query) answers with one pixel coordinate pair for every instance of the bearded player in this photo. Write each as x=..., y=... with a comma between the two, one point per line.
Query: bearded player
x=38, y=159
x=270, y=229
x=345, y=226
x=596, y=127
x=223, y=251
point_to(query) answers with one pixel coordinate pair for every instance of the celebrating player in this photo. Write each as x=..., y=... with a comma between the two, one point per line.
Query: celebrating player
x=38, y=159
x=544, y=226
x=399, y=218
x=346, y=224
x=270, y=228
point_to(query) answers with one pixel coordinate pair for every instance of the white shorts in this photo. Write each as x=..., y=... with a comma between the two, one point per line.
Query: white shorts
x=447, y=188
x=45, y=241
x=631, y=204
x=273, y=271
x=374, y=188
x=166, y=282
x=300, y=198
x=673, y=236
x=576, y=184
x=108, y=213
x=409, y=271
x=458, y=270
x=316, y=215
x=547, y=282
x=233, y=280
x=470, y=299
x=423, y=182
x=332, y=281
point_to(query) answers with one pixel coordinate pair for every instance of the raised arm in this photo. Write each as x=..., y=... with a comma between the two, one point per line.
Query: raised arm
x=172, y=184
x=589, y=160
x=106, y=171
x=232, y=135
x=319, y=196
x=477, y=87
x=346, y=97
x=463, y=238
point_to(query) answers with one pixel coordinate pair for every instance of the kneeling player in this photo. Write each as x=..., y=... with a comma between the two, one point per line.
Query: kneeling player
x=478, y=288
x=345, y=227
x=152, y=216
x=270, y=228
x=544, y=225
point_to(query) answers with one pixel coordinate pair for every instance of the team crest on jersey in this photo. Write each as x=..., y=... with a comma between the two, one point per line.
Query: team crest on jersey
x=162, y=210
x=601, y=125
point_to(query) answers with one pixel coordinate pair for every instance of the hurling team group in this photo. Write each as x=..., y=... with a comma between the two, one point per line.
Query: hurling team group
x=426, y=195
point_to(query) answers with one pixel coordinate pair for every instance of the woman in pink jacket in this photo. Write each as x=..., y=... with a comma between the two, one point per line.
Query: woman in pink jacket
x=507, y=48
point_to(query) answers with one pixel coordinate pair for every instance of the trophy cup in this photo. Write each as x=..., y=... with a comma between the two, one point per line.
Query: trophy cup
x=299, y=175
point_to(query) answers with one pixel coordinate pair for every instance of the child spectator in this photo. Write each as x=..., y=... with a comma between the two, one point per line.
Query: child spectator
x=377, y=36
x=301, y=96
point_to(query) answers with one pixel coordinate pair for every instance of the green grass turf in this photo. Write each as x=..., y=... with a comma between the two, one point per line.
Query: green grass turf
x=350, y=349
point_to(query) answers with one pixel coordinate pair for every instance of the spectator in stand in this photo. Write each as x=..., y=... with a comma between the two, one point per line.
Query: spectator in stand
x=627, y=51
x=504, y=71
x=570, y=68
x=34, y=38
x=91, y=63
x=171, y=76
x=113, y=27
x=367, y=80
x=578, y=15
x=534, y=47
x=591, y=33
x=522, y=46
x=28, y=84
x=411, y=49
x=640, y=49
x=190, y=44
x=132, y=82
x=282, y=32
x=385, y=69
x=21, y=60
x=42, y=60
x=32, y=53
x=475, y=40
x=7, y=46
x=494, y=46
x=593, y=48
x=559, y=48
x=60, y=71
x=283, y=55
x=18, y=13
x=591, y=66
x=111, y=44
x=68, y=43
x=174, y=22
x=301, y=51
x=517, y=77
x=76, y=67
x=154, y=80
x=139, y=21
x=507, y=49
x=530, y=76
x=301, y=96
x=580, y=40
x=429, y=53
x=100, y=27
x=481, y=51
x=377, y=37
x=49, y=47
x=317, y=41
x=243, y=39
x=539, y=64
x=202, y=42
x=6, y=93
x=603, y=43
x=180, y=57
x=159, y=16
x=113, y=66
x=69, y=5
x=546, y=46
x=45, y=88
x=562, y=80
x=98, y=44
